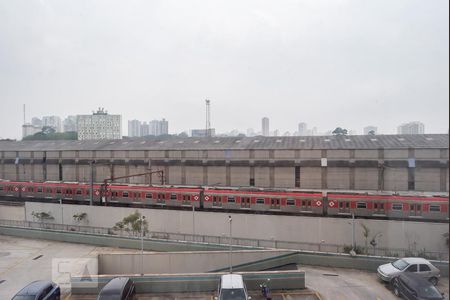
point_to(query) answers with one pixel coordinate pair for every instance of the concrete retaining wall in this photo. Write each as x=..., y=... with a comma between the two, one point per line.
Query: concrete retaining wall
x=178, y=262
x=162, y=283
x=395, y=234
x=109, y=241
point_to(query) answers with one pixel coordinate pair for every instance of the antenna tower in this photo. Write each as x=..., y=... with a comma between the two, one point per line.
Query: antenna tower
x=208, y=118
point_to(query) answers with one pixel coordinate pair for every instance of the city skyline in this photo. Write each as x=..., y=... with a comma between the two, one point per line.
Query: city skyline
x=332, y=63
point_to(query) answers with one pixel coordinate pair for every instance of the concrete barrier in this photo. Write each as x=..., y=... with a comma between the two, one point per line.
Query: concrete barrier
x=188, y=262
x=202, y=282
x=111, y=241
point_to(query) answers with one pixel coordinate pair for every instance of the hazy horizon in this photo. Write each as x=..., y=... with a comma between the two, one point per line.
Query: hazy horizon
x=341, y=63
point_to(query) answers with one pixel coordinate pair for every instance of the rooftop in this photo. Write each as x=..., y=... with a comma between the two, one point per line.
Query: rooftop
x=425, y=141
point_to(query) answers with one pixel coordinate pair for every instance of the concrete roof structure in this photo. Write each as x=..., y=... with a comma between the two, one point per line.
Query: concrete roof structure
x=428, y=141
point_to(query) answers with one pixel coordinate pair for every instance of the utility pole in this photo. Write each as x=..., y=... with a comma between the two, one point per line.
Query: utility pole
x=208, y=119
x=231, y=245
x=91, y=193
x=142, y=219
x=193, y=220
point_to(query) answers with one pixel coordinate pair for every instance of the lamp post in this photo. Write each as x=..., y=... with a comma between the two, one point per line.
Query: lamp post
x=193, y=221
x=231, y=244
x=91, y=193
x=142, y=220
x=62, y=211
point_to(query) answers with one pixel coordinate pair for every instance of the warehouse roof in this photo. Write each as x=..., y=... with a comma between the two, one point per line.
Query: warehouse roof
x=429, y=141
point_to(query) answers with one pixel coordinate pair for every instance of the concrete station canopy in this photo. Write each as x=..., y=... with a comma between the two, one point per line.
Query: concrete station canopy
x=427, y=141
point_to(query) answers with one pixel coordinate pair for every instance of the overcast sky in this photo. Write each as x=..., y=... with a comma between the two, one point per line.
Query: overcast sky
x=326, y=63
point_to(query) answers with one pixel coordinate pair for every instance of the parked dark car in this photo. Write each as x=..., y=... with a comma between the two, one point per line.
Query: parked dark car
x=39, y=290
x=120, y=288
x=412, y=286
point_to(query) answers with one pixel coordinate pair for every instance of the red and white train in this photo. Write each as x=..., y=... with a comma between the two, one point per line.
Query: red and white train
x=380, y=205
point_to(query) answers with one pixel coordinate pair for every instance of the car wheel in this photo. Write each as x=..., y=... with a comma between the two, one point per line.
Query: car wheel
x=395, y=286
x=434, y=280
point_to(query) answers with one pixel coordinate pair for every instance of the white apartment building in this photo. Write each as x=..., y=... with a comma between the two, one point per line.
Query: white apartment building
x=99, y=126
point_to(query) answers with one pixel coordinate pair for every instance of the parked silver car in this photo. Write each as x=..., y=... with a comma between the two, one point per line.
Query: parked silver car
x=416, y=265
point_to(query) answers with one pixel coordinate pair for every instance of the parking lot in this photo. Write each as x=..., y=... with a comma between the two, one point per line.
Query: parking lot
x=26, y=260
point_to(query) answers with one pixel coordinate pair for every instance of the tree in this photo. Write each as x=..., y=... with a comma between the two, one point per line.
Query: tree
x=366, y=232
x=132, y=223
x=41, y=216
x=340, y=131
x=80, y=217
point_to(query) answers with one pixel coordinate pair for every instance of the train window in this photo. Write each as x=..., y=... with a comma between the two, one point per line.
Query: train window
x=260, y=201
x=436, y=208
x=39, y=189
x=78, y=192
x=148, y=196
x=58, y=191
x=1, y=187
x=347, y=204
x=125, y=194
x=382, y=205
x=309, y=202
x=397, y=206
x=303, y=203
x=361, y=205
x=48, y=190
x=173, y=196
x=231, y=199
x=290, y=202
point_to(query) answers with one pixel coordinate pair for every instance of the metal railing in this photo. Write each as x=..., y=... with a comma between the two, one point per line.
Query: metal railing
x=225, y=240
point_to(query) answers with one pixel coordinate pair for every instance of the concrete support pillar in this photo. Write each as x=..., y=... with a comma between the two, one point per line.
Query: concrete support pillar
x=17, y=168
x=411, y=171
x=272, y=176
x=380, y=169
x=2, y=164
x=228, y=174
x=324, y=171
x=205, y=175
x=32, y=166
x=352, y=169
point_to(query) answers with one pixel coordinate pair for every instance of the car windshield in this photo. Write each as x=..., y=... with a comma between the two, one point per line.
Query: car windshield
x=400, y=264
x=429, y=291
x=24, y=297
x=232, y=294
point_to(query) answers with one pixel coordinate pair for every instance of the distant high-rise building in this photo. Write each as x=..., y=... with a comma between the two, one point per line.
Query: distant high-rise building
x=369, y=129
x=250, y=132
x=164, y=127
x=99, y=126
x=265, y=126
x=52, y=121
x=134, y=128
x=302, y=129
x=411, y=128
x=29, y=129
x=70, y=124
x=36, y=122
x=202, y=132
x=145, y=129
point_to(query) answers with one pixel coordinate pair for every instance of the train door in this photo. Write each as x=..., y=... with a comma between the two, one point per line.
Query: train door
x=344, y=206
x=186, y=200
x=306, y=205
x=274, y=203
x=379, y=208
x=217, y=201
x=245, y=202
x=415, y=210
x=161, y=198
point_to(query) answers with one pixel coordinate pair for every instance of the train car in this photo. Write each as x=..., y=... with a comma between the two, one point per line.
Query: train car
x=264, y=201
x=389, y=206
x=164, y=196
